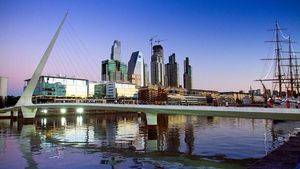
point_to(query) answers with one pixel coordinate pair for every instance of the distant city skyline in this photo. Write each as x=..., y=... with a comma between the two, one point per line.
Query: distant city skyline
x=223, y=39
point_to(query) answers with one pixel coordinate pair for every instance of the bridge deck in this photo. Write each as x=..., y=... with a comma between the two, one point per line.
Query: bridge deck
x=243, y=112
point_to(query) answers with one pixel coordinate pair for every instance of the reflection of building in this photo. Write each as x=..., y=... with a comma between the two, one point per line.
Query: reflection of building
x=136, y=69
x=3, y=90
x=187, y=75
x=152, y=95
x=60, y=86
x=121, y=90
x=173, y=140
x=172, y=72
x=157, y=66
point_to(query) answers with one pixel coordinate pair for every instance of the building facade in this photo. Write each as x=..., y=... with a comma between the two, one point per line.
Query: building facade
x=199, y=92
x=136, y=69
x=61, y=86
x=120, y=90
x=172, y=72
x=3, y=90
x=152, y=95
x=100, y=90
x=187, y=75
x=146, y=75
x=157, y=66
x=114, y=70
x=116, y=51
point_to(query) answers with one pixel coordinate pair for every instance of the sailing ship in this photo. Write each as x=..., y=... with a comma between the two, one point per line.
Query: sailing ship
x=285, y=75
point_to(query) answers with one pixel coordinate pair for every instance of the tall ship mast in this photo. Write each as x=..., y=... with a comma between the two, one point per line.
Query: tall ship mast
x=285, y=78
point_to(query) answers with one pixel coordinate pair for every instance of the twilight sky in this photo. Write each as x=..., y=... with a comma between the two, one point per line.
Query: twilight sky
x=223, y=38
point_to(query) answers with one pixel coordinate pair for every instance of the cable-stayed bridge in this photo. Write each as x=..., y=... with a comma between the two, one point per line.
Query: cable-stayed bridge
x=29, y=109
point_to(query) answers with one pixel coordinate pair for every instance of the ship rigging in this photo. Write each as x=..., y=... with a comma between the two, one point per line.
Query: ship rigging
x=285, y=79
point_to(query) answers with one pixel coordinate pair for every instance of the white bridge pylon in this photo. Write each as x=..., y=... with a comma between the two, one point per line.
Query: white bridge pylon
x=26, y=98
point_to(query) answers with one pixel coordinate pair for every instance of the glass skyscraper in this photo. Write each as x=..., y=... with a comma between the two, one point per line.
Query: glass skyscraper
x=172, y=72
x=187, y=75
x=157, y=66
x=136, y=69
x=116, y=51
x=113, y=69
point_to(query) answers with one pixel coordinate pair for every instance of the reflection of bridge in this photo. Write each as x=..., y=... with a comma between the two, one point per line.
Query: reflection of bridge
x=29, y=109
x=177, y=135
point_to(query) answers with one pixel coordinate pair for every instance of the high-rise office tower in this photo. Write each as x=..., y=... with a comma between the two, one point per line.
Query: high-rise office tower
x=116, y=51
x=146, y=75
x=113, y=69
x=136, y=68
x=187, y=75
x=157, y=66
x=172, y=72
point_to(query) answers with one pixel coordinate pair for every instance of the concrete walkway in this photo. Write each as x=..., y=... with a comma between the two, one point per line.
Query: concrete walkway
x=243, y=112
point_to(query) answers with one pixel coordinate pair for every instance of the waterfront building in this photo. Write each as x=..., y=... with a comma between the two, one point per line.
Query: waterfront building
x=146, y=75
x=187, y=75
x=157, y=66
x=121, y=90
x=92, y=85
x=152, y=95
x=199, y=92
x=114, y=70
x=172, y=72
x=61, y=86
x=176, y=91
x=100, y=90
x=186, y=100
x=136, y=69
x=116, y=51
x=3, y=90
x=233, y=98
x=255, y=92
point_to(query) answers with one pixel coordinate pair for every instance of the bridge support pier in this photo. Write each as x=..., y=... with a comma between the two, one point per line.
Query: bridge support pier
x=151, y=119
x=28, y=114
x=152, y=130
x=14, y=115
x=5, y=115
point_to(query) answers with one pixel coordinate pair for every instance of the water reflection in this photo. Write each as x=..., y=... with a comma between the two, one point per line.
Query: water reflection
x=63, y=121
x=111, y=134
x=79, y=120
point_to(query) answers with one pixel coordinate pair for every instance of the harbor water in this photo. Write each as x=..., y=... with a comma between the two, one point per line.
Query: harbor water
x=124, y=140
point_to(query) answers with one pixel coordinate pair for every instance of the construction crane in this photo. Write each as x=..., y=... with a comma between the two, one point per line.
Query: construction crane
x=151, y=42
x=160, y=40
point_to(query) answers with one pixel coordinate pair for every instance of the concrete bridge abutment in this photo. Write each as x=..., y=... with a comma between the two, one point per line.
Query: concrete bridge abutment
x=152, y=130
x=28, y=114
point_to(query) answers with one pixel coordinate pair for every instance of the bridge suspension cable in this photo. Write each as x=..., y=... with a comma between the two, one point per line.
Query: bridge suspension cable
x=71, y=57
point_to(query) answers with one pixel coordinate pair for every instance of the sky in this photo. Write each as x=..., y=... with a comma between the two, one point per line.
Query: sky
x=224, y=39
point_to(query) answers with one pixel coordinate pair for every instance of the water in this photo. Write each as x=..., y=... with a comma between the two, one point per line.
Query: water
x=123, y=140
